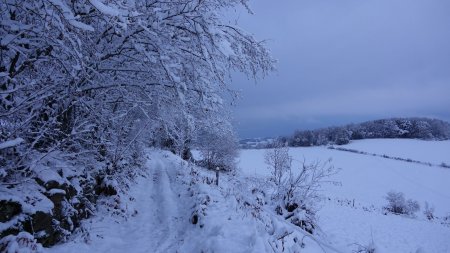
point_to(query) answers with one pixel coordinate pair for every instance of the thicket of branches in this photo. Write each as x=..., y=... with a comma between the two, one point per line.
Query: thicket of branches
x=297, y=188
x=102, y=77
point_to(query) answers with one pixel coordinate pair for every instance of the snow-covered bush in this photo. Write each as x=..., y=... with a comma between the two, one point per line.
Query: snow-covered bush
x=412, y=206
x=298, y=192
x=399, y=205
x=446, y=220
x=444, y=165
x=20, y=243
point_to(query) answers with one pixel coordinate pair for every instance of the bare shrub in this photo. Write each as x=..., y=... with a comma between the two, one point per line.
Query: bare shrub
x=370, y=248
x=444, y=165
x=298, y=192
x=397, y=204
x=429, y=211
x=279, y=161
x=446, y=220
x=303, y=183
x=297, y=189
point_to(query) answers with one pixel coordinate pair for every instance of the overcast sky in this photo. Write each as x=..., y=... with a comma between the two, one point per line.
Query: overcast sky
x=345, y=61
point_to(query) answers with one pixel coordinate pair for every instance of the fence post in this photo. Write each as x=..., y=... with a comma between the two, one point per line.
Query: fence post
x=217, y=175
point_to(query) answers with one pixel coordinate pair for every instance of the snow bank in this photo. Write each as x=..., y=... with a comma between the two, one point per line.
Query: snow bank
x=29, y=196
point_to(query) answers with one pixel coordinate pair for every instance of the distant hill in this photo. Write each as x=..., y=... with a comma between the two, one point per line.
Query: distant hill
x=411, y=128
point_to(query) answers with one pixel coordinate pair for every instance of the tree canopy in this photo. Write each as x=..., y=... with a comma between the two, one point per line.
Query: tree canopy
x=98, y=76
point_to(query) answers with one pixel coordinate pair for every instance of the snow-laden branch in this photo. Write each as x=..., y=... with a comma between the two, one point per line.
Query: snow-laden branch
x=68, y=15
x=107, y=9
x=11, y=143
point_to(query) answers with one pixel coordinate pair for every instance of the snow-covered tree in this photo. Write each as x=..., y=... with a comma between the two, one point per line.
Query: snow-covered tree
x=218, y=146
x=99, y=75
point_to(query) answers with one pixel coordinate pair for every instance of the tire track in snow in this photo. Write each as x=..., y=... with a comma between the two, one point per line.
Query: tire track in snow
x=167, y=224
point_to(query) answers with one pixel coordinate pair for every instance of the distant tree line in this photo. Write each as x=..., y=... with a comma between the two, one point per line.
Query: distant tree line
x=408, y=128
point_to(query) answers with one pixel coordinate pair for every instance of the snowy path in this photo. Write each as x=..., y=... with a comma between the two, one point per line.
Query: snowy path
x=157, y=225
x=166, y=212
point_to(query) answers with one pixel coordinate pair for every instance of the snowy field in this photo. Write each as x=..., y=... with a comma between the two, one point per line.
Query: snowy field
x=435, y=152
x=365, y=180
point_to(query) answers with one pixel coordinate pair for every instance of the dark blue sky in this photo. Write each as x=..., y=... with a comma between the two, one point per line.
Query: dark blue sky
x=345, y=61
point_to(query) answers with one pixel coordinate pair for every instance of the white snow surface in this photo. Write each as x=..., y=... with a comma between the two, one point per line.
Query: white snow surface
x=162, y=203
x=367, y=178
